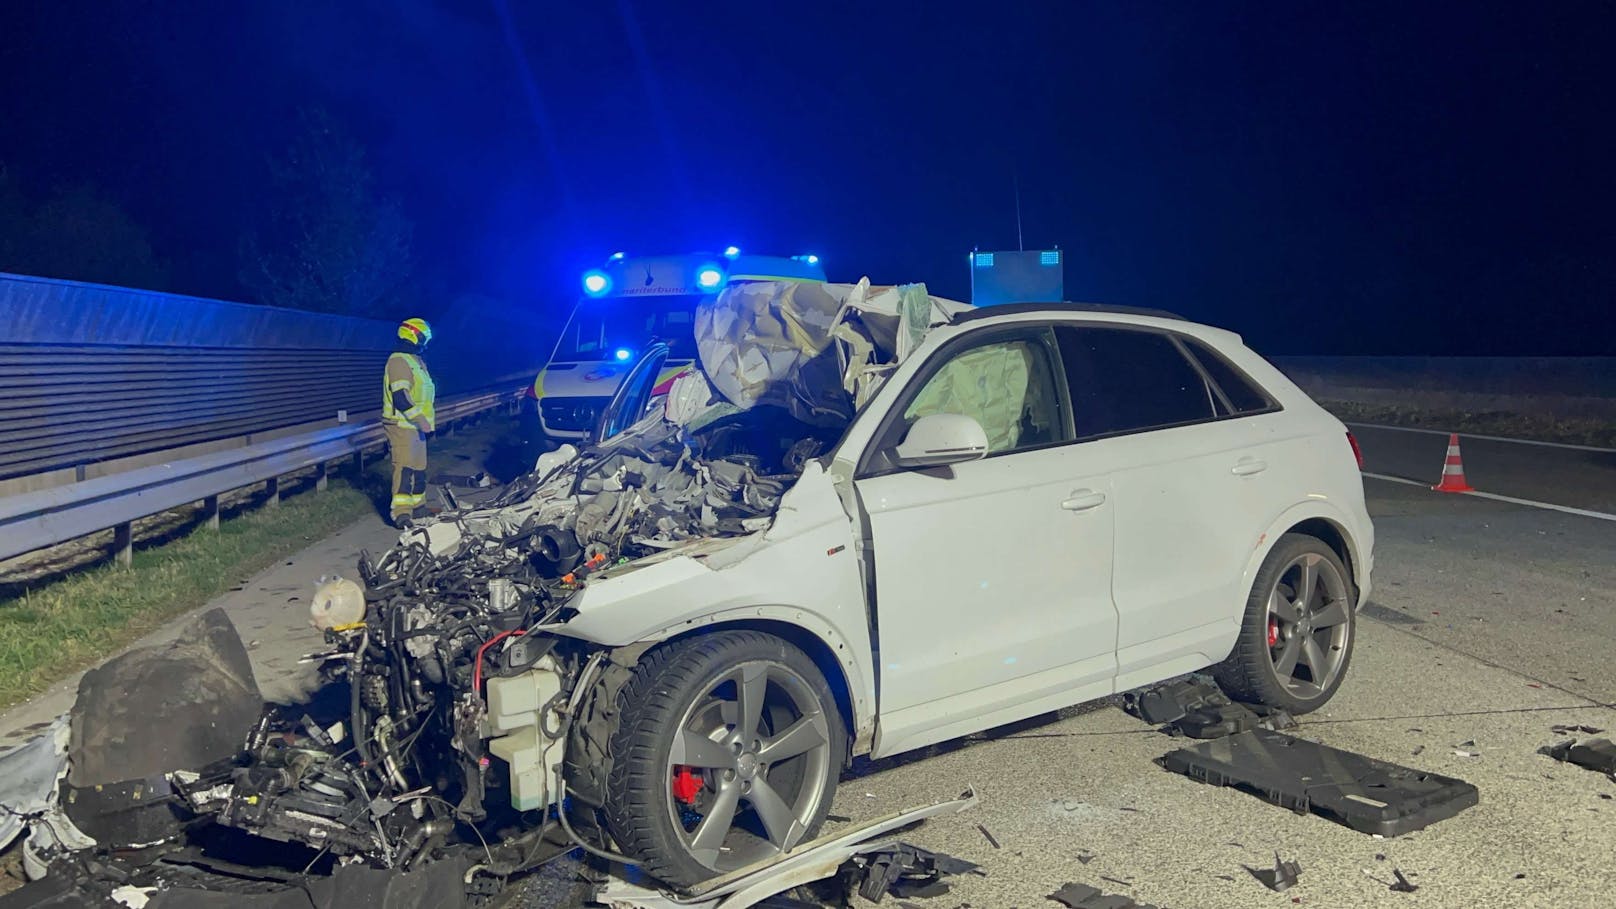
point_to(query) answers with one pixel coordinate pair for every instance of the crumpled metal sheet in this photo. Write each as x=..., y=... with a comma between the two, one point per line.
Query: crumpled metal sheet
x=817, y=350
x=28, y=776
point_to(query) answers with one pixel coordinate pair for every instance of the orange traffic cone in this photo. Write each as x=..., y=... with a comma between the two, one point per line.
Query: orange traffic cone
x=1453, y=478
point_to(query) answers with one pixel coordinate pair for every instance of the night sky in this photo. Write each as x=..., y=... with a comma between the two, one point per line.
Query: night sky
x=1323, y=178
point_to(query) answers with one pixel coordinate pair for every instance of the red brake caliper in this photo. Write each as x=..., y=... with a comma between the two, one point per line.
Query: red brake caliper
x=685, y=785
x=1273, y=631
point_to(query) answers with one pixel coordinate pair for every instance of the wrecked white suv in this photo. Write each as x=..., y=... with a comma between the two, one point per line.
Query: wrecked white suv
x=870, y=521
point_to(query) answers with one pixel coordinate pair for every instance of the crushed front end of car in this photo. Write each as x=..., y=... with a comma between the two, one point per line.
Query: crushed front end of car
x=466, y=714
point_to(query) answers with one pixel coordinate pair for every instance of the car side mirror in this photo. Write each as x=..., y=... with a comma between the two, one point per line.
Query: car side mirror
x=940, y=439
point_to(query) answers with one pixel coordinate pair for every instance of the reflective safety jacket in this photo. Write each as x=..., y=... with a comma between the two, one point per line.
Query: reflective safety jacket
x=407, y=374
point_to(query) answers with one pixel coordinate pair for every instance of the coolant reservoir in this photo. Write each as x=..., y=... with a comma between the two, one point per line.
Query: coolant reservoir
x=337, y=602
x=514, y=708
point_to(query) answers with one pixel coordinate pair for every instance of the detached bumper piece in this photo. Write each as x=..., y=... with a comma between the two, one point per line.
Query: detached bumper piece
x=1356, y=791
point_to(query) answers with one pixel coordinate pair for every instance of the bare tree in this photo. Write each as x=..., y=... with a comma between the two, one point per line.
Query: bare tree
x=331, y=243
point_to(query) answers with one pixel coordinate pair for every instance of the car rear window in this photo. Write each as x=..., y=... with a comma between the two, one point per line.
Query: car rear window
x=1244, y=395
x=1127, y=380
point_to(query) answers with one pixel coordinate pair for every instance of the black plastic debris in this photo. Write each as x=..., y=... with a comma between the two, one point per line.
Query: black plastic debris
x=1082, y=896
x=1576, y=730
x=990, y=838
x=904, y=871
x=1402, y=884
x=1354, y=790
x=1198, y=708
x=1598, y=755
x=1282, y=876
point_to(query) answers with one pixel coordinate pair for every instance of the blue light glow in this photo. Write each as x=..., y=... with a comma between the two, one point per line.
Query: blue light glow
x=596, y=283
x=1049, y=257
x=617, y=257
x=984, y=260
x=709, y=278
x=731, y=252
x=623, y=353
x=812, y=259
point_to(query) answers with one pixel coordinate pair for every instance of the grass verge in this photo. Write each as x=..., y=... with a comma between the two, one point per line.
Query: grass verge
x=1601, y=433
x=69, y=624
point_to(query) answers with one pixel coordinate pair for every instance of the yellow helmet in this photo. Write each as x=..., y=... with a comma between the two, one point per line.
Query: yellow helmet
x=415, y=331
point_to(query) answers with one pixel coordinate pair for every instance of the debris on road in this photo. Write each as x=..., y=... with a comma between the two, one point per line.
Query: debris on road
x=984, y=831
x=1403, y=884
x=850, y=858
x=1282, y=876
x=1197, y=708
x=1081, y=896
x=1576, y=730
x=1598, y=754
x=1360, y=792
x=903, y=871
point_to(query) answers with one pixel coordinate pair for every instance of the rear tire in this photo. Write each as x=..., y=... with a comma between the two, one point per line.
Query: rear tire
x=727, y=749
x=1299, y=629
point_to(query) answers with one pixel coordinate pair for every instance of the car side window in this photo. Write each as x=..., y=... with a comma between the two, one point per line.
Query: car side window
x=1244, y=395
x=1007, y=384
x=1129, y=380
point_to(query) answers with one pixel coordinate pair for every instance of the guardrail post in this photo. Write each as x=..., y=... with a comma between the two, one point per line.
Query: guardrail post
x=273, y=487
x=319, y=477
x=210, y=511
x=123, y=543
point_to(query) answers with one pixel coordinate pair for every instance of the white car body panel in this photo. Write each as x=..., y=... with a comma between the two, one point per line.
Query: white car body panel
x=992, y=602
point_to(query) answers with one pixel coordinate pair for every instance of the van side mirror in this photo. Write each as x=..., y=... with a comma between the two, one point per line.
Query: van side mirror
x=940, y=439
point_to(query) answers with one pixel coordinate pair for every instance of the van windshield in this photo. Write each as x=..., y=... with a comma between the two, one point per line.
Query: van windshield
x=602, y=329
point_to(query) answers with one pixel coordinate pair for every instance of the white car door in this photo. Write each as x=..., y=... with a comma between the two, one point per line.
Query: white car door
x=992, y=577
x=1191, y=504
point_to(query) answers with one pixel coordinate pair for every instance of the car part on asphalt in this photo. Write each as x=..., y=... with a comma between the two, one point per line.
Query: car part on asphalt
x=1365, y=794
x=1197, y=708
x=1281, y=877
x=1576, y=730
x=903, y=871
x=1081, y=896
x=1598, y=755
x=823, y=858
x=29, y=775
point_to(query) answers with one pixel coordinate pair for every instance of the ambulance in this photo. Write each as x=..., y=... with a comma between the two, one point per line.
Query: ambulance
x=632, y=302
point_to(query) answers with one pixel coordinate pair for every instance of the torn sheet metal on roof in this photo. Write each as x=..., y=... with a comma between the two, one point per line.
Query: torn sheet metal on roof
x=817, y=350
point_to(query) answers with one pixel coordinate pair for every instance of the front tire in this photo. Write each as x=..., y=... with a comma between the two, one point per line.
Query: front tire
x=1300, y=625
x=727, y=750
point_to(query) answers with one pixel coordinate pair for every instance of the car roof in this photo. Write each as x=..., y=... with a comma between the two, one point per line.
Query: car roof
x=1016, y=309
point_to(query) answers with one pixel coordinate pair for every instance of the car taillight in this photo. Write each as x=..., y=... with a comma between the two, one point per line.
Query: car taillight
x=1357, y=451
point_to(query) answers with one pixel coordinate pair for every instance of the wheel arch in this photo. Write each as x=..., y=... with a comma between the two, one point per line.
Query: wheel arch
x=1318, y=522
x=817, y=648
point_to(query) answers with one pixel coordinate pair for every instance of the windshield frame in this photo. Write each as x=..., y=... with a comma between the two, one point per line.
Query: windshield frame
x=629, y=322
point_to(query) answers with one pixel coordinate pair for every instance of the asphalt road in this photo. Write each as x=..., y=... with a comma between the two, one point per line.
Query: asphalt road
x=1492, y=622
x=1561, y=475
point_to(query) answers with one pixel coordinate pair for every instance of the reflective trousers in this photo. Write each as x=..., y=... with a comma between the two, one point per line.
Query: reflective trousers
x=408, y=448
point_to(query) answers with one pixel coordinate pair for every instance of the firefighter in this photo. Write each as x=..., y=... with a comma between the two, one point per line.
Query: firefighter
x=408, y=396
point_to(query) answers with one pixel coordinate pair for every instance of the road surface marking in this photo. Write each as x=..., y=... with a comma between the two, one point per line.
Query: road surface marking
x=1580, y=512
x=1471, y=435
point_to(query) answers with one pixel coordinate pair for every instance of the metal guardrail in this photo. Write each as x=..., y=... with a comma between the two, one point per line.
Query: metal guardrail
x=37, y=520
x=71, y=405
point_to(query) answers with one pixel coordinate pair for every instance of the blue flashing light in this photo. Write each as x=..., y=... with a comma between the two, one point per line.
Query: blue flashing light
x=811, y=259
x=596, y=283
x=709, y=277
x=731, y=252
x=618, y=257
x=623, y=353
